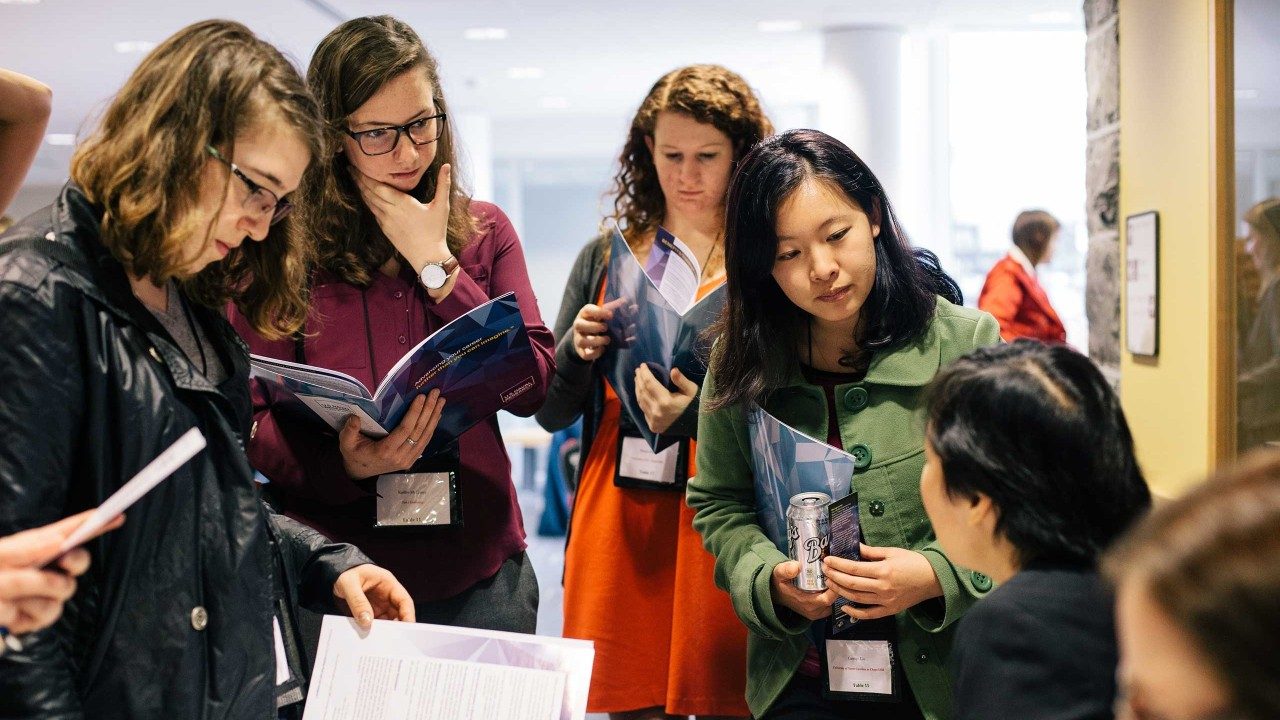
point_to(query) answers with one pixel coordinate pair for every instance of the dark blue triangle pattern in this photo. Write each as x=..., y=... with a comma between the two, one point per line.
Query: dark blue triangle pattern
x=481, y=361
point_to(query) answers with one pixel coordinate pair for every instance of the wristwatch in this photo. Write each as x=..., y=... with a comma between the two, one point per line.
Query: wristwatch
x=435, y=274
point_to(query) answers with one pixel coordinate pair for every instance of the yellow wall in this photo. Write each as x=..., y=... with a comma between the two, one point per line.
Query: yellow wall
x=1169, y=131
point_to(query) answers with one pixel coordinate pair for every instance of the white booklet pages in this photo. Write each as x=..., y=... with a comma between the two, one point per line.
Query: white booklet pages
x=414, y=671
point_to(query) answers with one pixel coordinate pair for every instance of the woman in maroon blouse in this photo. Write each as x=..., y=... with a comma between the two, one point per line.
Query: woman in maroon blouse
x=401, y=251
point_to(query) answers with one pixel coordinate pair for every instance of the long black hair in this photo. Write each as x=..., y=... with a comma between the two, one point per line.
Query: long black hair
x=760, y=328
x=1037, y=429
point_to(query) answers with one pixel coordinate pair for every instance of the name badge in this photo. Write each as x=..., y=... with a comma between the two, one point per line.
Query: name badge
x=638, y=466
x=418, y=499
x=637, y=462
x=862, y=667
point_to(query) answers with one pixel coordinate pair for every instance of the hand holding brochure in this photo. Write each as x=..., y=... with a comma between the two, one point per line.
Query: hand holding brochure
x=155, y=472
x=786, y=462
x=404, y=671
x=657, y=320
x=481, y=362
x=846, y=535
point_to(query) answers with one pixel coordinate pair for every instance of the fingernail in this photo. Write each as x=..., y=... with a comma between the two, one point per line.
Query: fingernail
x=366, y=618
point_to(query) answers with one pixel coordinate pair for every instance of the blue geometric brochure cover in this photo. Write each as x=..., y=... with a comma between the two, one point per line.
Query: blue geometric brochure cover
x=785, y=463
x=480, y=361
x=647, y=330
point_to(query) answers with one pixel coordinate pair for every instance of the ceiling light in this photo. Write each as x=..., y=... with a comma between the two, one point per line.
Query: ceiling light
x=1051, y=17
x=134, y=46
x=525, y=73
x=1246, y=94
x=779, y=26
x=61, y=139
x=485, y=33
x=554, y=103
x=19, y=2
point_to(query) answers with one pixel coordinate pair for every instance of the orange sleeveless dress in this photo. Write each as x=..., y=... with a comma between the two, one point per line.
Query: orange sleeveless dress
x=638, y=583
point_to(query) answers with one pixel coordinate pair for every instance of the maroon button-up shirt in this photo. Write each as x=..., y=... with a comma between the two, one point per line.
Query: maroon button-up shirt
x=305, y=466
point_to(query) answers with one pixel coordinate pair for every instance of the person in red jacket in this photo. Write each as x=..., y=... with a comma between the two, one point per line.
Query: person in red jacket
x=1012, y=293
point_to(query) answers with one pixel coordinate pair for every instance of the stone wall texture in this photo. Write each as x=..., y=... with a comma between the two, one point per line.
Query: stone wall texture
x=1104, y=276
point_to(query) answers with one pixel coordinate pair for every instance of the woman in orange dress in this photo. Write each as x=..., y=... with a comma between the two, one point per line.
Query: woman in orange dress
x=637, y=581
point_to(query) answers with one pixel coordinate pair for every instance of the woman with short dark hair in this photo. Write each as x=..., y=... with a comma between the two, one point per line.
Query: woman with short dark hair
x=833, y=324
x=1029, y=474
x=1012, y=292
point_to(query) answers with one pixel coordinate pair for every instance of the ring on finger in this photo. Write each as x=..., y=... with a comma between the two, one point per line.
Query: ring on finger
x=411, y=441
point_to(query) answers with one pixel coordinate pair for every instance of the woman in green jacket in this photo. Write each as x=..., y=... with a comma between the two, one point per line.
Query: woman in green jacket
x=834, y=324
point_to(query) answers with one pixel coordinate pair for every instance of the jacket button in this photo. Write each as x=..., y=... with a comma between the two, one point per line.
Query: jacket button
x=922, y=657
x=861, y=457
x=876, y=507
x=199, y=618
x=403, y=339
x=399, y=294
x=155, y=354
x=856, y=399
x=981, y=582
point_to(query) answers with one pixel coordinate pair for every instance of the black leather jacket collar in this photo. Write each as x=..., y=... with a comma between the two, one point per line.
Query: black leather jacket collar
x=174, y=618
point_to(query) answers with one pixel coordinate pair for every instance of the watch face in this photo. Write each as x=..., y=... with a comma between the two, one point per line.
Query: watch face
x=434, y=276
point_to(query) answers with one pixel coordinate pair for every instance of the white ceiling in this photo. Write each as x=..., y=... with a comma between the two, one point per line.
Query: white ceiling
x=597, y=57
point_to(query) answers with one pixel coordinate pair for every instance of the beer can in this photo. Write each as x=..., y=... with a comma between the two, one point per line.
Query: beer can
x=808, y=532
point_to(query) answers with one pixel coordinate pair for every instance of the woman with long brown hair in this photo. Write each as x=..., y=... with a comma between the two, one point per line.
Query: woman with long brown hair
x=401, y=251
x=115, y=347
x=1258, y=382
x=633, y=550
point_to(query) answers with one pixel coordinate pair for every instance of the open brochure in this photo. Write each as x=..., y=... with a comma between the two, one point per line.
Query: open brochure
x=785, y=463
x=412, y=671
x=480, y=361
x=657, y=320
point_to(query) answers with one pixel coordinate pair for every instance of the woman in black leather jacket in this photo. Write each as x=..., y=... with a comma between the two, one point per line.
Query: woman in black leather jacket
x=112, y=349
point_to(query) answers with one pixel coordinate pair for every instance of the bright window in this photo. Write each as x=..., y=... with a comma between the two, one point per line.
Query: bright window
x=1017, y=141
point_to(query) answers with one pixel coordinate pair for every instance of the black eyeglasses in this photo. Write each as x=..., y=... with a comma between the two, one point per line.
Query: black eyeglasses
x=380, y=141
x=260, y=201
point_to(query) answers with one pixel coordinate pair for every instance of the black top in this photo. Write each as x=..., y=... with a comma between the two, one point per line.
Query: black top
x=1040, y=647
x=174, y=617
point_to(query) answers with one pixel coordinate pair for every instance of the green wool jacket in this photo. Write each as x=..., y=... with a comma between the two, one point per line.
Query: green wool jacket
x=882, y=424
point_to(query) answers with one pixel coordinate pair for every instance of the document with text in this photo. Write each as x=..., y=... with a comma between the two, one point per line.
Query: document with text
x=411, y=671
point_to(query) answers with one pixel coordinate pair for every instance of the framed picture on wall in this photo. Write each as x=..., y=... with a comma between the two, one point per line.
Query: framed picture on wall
x=1142, y=283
